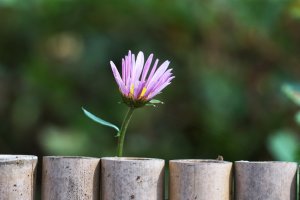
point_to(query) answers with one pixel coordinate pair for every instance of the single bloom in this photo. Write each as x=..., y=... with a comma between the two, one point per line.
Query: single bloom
x=140, y=82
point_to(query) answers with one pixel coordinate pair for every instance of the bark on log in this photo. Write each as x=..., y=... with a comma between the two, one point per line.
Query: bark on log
x=200, y=179
x=132, y=178
x=265, y=180
x=17, y=177
x=72, y=178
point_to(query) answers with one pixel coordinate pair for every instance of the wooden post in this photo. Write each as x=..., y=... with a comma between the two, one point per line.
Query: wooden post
x=265, y=180
x=17, y=177
x=132, y=178
x=200, y=179
x=70, y=178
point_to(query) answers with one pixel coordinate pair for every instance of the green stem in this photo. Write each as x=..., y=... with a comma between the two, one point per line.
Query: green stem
x=123, y=131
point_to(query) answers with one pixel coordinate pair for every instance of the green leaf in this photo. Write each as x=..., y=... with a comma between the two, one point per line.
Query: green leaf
x=283, y=145
x=292, y=91
x=99, y=120
x=155, y=101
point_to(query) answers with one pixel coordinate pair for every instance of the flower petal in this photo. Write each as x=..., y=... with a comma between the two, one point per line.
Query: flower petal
x=160, y=88
x=152, y=71
x=138, y=89
x=138, y=68
x=123, y=70
x=159, y=72
x=132, y=64
x=128, y=68
x=118, y=78
x=146, y=67
x=159, y=82
x=135, y=82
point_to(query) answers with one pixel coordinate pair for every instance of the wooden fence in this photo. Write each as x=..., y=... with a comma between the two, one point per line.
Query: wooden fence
x=82, y=178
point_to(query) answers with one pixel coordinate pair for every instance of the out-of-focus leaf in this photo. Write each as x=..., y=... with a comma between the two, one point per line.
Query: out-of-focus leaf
x=283, y=145
x=99, y=120
x=260, y=14
x=153, y=102
x=8, y=2
x=61, y=141
x=292, y=91
x=294, y=9
x=156, y=101
x=297, y=117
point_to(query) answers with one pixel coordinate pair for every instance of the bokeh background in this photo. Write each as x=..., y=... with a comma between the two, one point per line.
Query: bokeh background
x=230, y=59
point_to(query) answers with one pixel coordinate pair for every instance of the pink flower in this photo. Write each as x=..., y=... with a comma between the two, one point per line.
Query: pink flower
x=137, y=85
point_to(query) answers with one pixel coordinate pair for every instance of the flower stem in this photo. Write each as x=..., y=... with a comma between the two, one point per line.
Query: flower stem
x=123, y=131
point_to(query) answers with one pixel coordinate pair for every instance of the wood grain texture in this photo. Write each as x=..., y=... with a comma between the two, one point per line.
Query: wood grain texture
x=70, y=178
x=17, y=177
x=265, y=180
x=200, y=179
x=132, y=178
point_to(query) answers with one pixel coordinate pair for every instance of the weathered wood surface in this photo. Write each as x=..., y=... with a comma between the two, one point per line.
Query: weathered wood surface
x=132, y=178
x=70, y=178
x=200, y=179
x=17, y=177
x=265, y=180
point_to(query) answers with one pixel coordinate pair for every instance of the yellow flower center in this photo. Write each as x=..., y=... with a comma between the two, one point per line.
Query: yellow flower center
x=143, y=92
x=131, y=89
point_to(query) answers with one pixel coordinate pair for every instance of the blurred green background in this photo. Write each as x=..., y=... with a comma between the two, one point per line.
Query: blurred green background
x=230, y=59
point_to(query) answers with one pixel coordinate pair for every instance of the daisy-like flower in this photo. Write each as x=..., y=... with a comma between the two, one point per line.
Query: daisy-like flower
x=138, y=85
x=139, y=82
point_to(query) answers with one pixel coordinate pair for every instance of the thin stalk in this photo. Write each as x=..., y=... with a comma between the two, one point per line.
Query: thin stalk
x=123, y=131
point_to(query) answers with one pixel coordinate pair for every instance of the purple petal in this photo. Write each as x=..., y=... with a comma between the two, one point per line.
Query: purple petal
x=159, y=72
x=132, y=64
x=138, y=67
x=146, y=67
x=132, y=69
x=123, y=70
x=128, y=68
x=138, y=90
x=118, y=77
x=160, y=88
x=166, y=75
x=152, y=71
x=135, y=74
x=159, y=82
